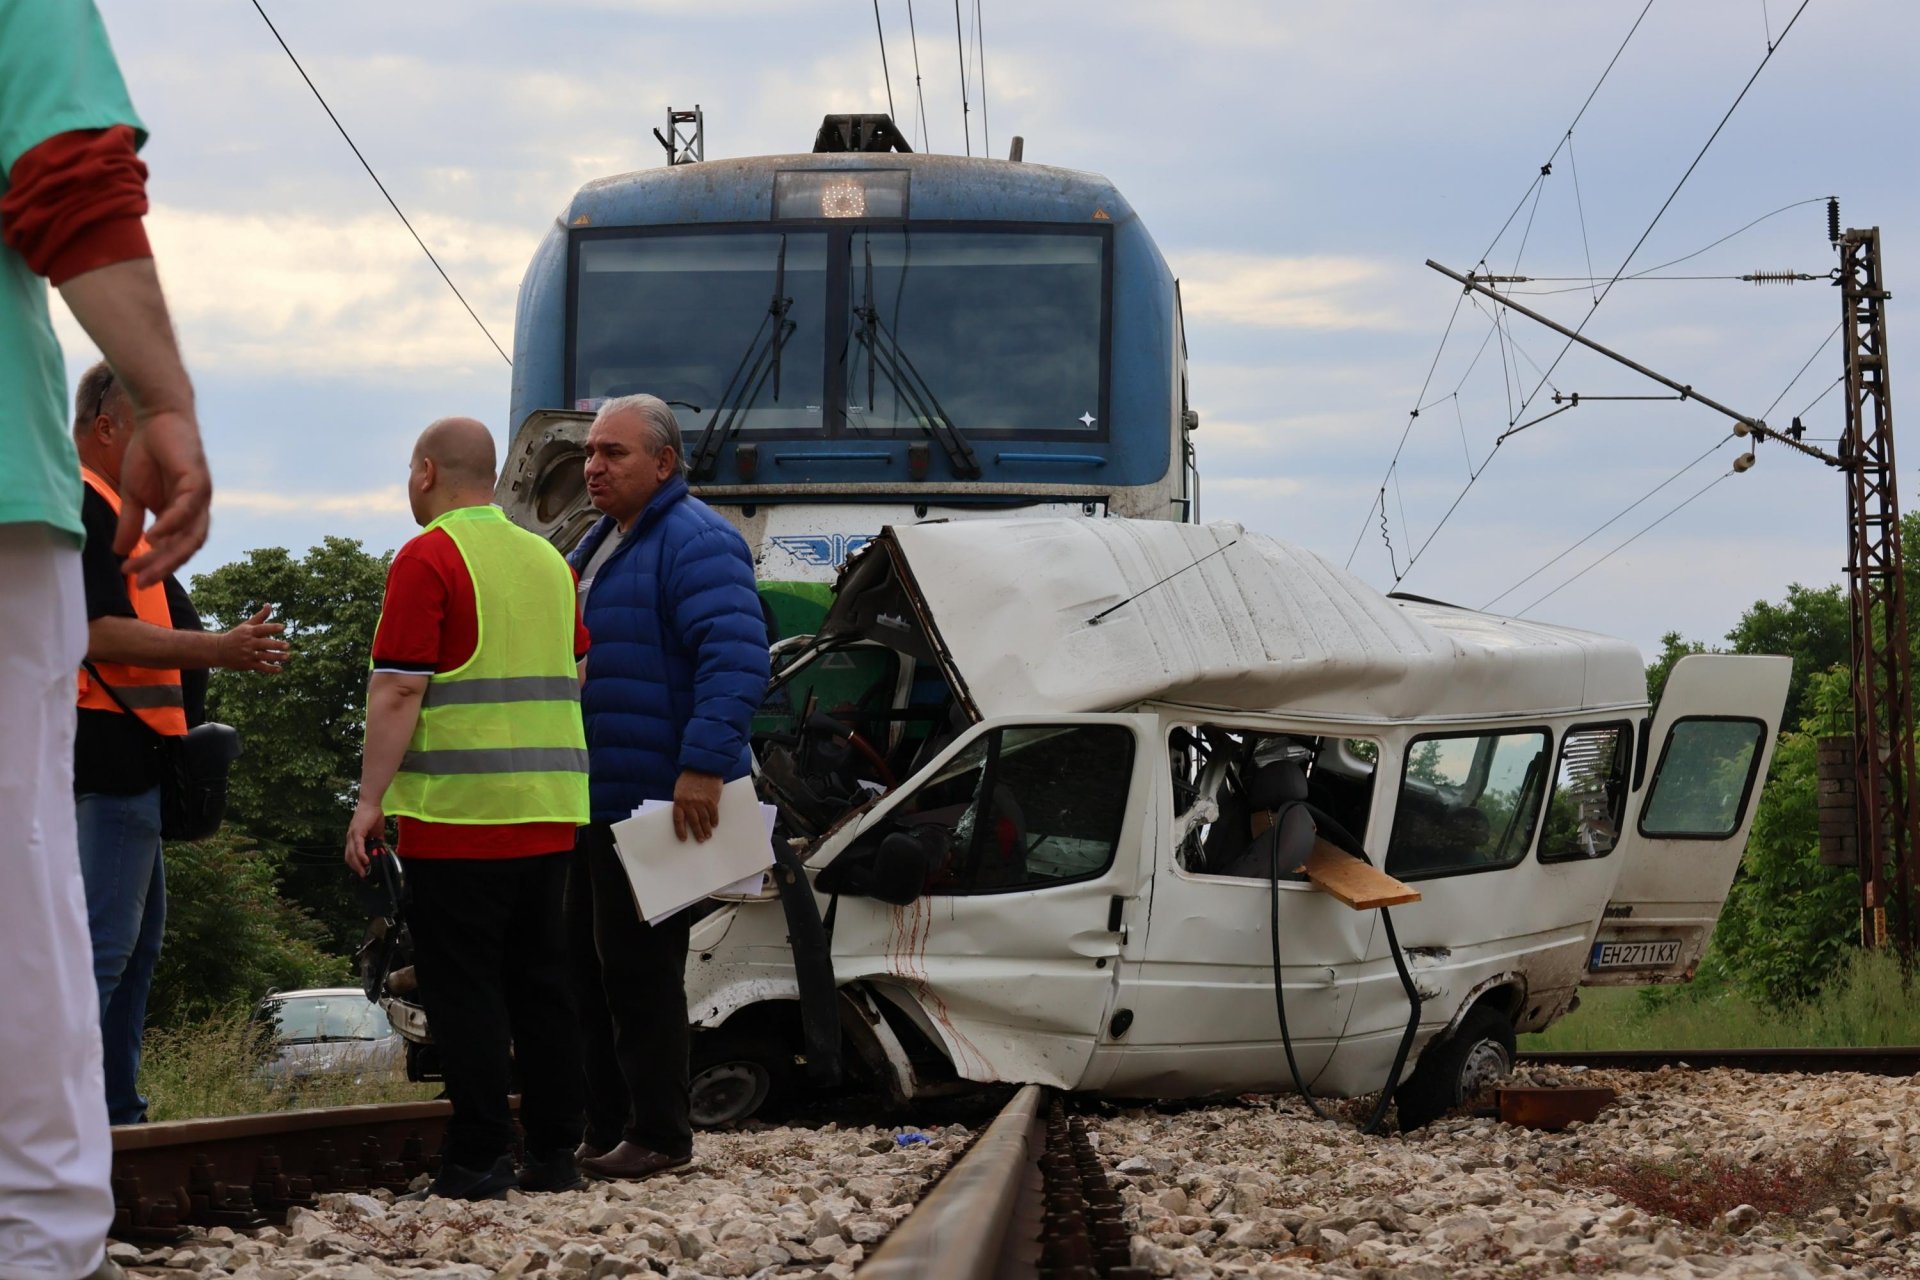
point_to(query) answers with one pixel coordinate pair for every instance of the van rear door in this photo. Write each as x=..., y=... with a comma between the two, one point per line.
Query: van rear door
x=1707, y=754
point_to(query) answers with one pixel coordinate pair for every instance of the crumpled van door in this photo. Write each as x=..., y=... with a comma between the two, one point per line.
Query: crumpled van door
x=1708, y=749
x=1008, y=955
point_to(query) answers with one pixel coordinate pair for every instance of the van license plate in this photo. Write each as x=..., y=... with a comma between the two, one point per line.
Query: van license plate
x=1635, y=955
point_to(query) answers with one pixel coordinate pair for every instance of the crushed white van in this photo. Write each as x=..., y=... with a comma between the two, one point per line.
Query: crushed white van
x=1034, y=776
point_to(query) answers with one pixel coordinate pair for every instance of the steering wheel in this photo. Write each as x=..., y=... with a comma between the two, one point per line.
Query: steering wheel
x=827, y=726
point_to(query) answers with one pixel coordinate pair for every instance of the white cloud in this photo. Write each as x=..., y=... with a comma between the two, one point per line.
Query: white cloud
x=384, y=501
x=1282, y=292
x=313, y=295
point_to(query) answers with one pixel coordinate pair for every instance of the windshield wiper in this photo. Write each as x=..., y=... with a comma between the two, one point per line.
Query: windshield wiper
x=885, y=354
x=764, y=354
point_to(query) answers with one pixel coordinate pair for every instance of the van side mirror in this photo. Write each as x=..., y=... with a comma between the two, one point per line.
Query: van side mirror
x=893, y=863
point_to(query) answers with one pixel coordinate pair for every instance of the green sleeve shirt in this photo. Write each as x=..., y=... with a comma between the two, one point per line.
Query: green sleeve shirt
x=57, y=75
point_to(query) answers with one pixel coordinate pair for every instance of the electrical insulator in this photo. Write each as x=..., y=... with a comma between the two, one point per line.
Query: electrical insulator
x=1742, y=429
x=1775, y=277
x=1833, y=219
x=1742, y=463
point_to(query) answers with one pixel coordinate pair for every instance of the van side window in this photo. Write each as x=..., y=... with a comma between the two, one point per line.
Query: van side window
x=1589, y=796
x=1029, y=806
x=1704, y=779
x=1468, y=802
x=1237, y=772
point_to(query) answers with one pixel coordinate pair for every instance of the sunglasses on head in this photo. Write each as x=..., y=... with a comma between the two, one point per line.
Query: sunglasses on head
x=100, y=403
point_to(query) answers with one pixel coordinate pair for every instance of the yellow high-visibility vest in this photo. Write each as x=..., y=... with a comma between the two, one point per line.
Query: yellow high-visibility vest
x=500, y=739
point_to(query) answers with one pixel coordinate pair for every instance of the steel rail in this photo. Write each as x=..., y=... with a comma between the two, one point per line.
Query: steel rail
x=961, y=1229
x=237, y=1170
x=1896, y=1060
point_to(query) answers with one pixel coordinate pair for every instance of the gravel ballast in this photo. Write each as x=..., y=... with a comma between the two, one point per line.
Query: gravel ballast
x=1262, y=1188
x=1258, y=1187
x=773, y=1202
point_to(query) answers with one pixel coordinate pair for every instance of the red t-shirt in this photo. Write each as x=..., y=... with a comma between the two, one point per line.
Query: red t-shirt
x=429, y=622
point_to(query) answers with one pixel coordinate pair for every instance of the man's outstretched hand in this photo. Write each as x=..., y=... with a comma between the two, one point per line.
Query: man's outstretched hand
x=696, y=804
x=165, y=472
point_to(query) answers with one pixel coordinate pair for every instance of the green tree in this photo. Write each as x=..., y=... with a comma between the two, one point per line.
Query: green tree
x=231, y=937
x=1673, y=647
x=1789, y=922
x=293, y=787
x=1811, y=625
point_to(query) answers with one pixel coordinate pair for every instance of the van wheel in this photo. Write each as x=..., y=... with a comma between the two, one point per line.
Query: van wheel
x=1477, y=1056
x=731, y=1077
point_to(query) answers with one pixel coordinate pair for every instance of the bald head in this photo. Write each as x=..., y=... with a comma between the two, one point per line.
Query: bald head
x=462, y=450
x=453, y=466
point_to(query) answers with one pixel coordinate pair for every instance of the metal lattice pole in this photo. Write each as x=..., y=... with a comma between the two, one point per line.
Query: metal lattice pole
x=1887, y=802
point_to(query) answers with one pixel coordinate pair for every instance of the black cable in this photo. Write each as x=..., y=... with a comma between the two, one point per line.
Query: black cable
x=913, y=36
x=960, y=52
x=1280, y=1007
x=376, y=181
x=884, y=73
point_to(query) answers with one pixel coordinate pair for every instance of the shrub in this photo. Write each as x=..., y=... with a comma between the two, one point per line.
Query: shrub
x=1698, y=1190
x=230, y=936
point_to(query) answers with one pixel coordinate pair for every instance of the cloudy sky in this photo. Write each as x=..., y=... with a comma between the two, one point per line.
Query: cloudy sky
x=1296, y=163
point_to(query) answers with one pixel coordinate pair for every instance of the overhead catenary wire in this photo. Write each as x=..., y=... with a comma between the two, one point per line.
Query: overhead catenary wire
x=1674, y=194
x=1538, y=178
x=884, y=73
x=960, y=46
x=980, y=65
x=1608, y=523
x=376, y=182
x=1824, y=343
x=1619, y=272
x=920, y=92
x=1684, y=504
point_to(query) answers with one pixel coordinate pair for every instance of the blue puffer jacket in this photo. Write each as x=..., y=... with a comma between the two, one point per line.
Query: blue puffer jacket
x=679, y=658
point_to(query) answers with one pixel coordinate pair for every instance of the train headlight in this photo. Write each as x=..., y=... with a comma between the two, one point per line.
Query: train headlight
x=840, y=193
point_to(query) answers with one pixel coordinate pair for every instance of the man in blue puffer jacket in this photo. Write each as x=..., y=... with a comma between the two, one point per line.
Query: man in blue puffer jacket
x=677, y=668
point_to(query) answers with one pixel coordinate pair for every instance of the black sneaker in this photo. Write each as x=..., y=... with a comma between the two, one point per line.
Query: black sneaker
x=457, y=1183
x=556, y=1172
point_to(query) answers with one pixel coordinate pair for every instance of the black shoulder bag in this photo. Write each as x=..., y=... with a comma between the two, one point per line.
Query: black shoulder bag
x=193, y=772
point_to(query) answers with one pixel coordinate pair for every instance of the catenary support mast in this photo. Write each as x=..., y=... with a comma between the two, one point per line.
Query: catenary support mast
x=1887, y=804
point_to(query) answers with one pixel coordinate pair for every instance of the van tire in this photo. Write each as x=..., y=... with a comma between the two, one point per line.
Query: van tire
x=1477, y=1055
x=733, y=1076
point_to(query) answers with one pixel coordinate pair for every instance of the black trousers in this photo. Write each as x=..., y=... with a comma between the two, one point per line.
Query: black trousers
x=490, y=951
x=630, y=990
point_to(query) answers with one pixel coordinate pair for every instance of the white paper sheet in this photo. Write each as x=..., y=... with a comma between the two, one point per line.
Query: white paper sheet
x=669, y=875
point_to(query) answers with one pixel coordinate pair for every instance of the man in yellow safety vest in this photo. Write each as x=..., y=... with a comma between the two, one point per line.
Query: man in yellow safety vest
x=474, y=743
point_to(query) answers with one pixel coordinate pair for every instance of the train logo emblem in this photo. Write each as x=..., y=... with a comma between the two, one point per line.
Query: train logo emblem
x=825, y=550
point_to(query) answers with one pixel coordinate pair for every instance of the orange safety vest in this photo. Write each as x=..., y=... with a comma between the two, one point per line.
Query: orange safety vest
x=152, y=692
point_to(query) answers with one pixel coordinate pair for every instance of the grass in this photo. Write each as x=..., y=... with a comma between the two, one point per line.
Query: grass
x=1869, y=1004
x=213, y=1068
x=1699, y=1189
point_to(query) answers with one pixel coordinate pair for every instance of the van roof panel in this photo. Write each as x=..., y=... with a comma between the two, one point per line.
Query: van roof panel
x=1217, y=616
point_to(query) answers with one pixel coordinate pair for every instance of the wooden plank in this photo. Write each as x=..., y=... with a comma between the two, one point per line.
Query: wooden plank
x=1360, y=885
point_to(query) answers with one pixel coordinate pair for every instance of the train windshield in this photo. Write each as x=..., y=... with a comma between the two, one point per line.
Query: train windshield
x=684, y=316
x=863, y=330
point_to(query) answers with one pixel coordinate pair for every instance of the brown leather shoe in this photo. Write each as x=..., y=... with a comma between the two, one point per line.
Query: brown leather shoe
x=587, y=1151
x=631, y=1160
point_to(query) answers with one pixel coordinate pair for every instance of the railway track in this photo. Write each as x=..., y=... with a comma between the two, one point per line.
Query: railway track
x=1030, y=1196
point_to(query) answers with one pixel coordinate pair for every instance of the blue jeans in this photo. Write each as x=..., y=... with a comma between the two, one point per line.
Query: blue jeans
x=126, y=883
